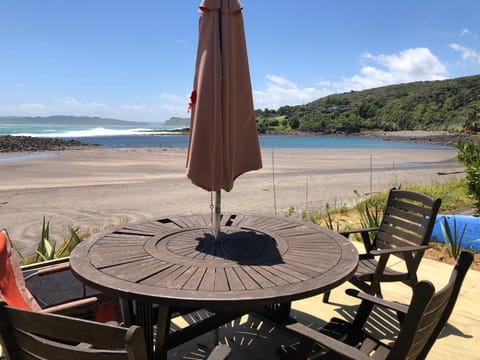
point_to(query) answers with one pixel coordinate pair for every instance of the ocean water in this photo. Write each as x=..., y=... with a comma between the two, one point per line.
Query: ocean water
x=161, y=136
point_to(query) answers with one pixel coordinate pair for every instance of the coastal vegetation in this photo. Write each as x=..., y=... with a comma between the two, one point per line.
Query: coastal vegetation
x=368, y=212
x=469, y=155
x=444, y=105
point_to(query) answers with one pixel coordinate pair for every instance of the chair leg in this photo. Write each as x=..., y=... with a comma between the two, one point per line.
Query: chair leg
x=279, y=313
x=326, y=296
x=376, y=290
x=128, y=314
x=304, y=349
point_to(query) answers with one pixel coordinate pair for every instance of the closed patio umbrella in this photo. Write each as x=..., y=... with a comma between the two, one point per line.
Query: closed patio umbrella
x=223, y=140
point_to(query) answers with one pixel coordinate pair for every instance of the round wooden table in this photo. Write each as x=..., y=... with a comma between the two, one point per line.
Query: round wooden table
x=256, y=261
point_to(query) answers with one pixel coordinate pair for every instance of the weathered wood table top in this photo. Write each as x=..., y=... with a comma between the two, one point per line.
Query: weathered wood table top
x=176, y=260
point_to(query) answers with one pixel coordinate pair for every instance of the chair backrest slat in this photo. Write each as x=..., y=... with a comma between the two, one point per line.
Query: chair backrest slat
x=408, y=204
x=413, y=196
x=412, y=217
x=415, y=229
x=46, y=349
x=35, y=335
x=94, y=333
x=395, y=236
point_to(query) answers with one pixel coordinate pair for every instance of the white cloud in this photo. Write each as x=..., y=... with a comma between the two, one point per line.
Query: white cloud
x=409, y=65
x=281, y=91
x=174, y=98
x=77, y=105
x=33, y=107
x=467, y=54
x=180, y=41
x=137, y=107
x=465, y=32
x=416, y=64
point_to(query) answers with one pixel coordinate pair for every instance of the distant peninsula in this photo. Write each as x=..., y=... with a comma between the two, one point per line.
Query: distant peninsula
x=178, y=121
x=66, y=120
x=87, y=120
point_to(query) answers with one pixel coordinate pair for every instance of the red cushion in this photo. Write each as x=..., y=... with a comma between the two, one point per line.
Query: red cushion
x=108, y=310
x=12, y=285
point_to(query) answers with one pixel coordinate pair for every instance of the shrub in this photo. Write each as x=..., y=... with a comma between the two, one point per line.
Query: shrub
x=469, y=155
x=453, y=239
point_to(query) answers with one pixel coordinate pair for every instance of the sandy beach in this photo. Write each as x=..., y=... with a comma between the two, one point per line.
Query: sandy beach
x=94, y=188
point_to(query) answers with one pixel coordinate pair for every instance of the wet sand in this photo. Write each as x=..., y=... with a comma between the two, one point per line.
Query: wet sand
x=94, y=188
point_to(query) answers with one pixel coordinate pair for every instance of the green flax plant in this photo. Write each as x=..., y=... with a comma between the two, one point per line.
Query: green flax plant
x=453, y=240
x=69, y=244
x=371, y=211
x=329, y=219
x=370, y=215
x=46, y=247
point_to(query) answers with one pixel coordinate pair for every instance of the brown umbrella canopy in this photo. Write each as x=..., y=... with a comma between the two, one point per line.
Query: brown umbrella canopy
x=223, y=136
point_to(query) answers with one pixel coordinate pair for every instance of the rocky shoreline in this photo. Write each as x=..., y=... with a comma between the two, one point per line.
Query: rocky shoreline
x=9, y=143
x=429, y=137
x=417, y=136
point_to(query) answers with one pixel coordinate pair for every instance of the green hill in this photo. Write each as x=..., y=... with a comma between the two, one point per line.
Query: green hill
x=452, y=105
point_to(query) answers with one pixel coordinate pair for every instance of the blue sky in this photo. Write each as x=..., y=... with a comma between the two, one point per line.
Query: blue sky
x=134, y=60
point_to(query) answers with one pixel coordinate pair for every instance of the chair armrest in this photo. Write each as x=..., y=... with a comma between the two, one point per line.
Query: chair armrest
x=364, y=232
x=72, y=306
x=399, y=250
x=53, y=269
x=401, y=308
x=29, y=272
x=45, y=264
x=357, y=231
x=346, y=351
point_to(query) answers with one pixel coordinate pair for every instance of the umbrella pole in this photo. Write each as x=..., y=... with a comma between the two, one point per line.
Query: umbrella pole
x=218, y=198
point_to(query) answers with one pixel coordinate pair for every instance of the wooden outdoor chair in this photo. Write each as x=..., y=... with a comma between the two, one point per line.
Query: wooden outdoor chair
x=33, y=335
x=51, y=288
x=404, y=232
x=29, y=335
x=420, y=325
